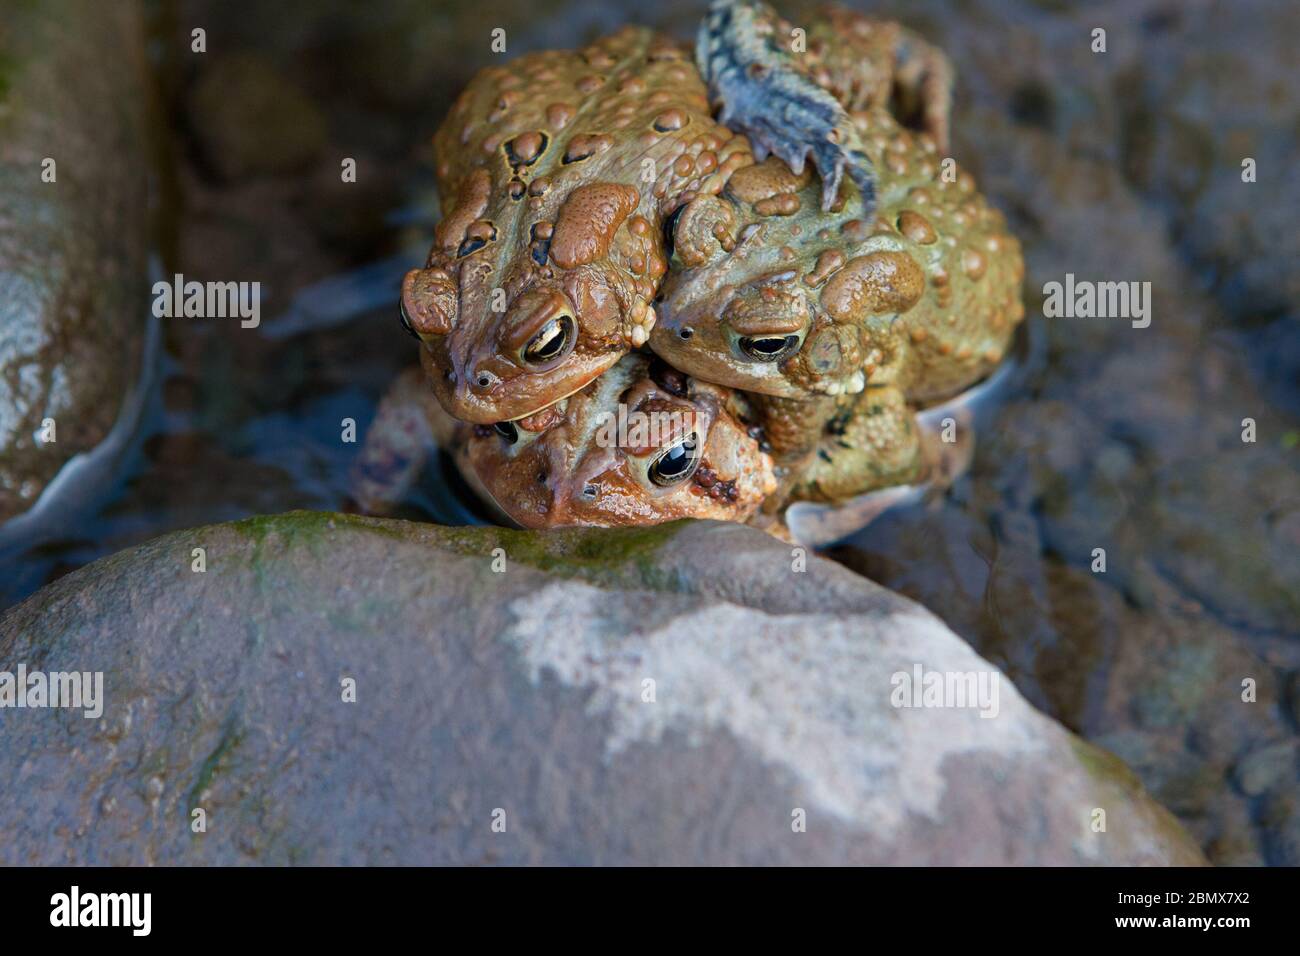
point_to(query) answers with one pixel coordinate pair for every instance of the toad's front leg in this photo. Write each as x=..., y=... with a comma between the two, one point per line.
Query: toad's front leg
x=921, y=455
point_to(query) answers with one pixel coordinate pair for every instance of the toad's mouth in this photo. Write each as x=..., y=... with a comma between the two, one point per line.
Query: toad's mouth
x=510, y=400
x=551, y=404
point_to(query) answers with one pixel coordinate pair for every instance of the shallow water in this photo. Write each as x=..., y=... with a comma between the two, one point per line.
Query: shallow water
x=1108, y=437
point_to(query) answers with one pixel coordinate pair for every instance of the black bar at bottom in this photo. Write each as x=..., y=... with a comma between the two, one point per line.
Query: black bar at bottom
x=333, y=906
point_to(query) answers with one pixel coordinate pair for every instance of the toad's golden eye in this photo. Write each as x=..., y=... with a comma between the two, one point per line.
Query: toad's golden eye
x=551, y=341
x=768, y=348
x=677, y=463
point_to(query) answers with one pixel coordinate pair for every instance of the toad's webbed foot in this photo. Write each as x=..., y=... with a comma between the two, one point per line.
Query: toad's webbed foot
x=765, y=95
x=396, y=446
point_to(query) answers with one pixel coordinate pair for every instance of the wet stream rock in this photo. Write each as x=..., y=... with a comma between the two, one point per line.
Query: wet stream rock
x=73, y=290
x=521, y=697
x=1126, y=166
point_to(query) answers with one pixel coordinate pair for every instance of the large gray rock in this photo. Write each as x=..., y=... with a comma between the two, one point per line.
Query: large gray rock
x=73, y=291
x=522, y=693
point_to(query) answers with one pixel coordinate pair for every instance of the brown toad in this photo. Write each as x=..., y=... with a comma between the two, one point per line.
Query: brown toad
x=774, y=291
x=838, y=306
x=640, y=445
x=768, y=293
x=557, y=172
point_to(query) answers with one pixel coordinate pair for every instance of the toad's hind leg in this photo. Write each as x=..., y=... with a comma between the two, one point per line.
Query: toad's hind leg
x=923, y=82
x=765, y=90
x=406, y=431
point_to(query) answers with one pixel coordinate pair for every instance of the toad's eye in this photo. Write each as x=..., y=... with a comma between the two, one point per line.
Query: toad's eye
x=670, y=230
x=551, y=341
x=677, y=463
x=508, y=431
x=406, y=322
x=768, y=348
